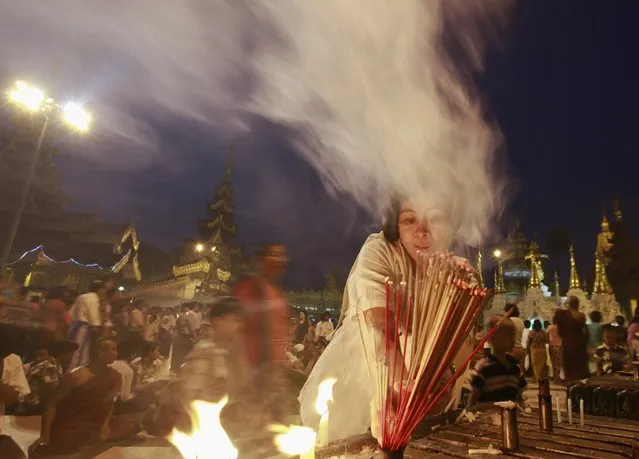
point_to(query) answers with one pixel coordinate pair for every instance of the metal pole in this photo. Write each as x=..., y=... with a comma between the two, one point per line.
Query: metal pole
x=26, y=189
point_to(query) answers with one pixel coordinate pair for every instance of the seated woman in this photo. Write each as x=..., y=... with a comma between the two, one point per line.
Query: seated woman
x=80, y=413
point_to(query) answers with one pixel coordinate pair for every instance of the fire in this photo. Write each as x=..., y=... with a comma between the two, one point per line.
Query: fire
x=324, y=395
x=208, y=440
x=294, y=440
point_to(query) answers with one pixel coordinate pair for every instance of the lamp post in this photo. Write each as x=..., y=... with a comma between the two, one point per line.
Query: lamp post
x=34, y=100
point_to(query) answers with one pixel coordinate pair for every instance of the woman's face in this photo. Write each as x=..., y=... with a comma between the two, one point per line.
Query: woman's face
x=302, y=316
x=422, y=231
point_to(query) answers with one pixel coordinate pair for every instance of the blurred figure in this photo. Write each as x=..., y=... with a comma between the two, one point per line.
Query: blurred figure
x=324, y=328
x=518, y=351
x=13, y=386
x=266, y=318
x=216, y=367
x=633, y=328
x=304, y=331
x=537, y=341
x=555, y=350
x=266, y=308
x=183, y=338
x=86, y=322
x=574, y=340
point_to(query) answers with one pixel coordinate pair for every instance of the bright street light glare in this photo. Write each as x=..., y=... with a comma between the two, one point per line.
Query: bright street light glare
x=29, y=97
x=199, y=247
x=497, y=253
x=76, y=116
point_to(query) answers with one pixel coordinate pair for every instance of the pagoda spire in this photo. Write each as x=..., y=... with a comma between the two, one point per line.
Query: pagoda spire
x=574, y=276
x=556, y=290
x=219, y=226
x=617, y=210
x=533, y=254
x=601, y=284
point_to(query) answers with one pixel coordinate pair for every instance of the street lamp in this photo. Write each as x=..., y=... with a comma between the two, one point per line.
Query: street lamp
x=199, y=247
x=35, y=100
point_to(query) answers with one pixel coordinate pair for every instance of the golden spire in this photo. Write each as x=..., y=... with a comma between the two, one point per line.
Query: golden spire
x=617, y=211
x=601, y=284
x=605, y=226
x=574, y=276
x=479, y=268
x=500, y=288
x=556, y=291
x=535, y=281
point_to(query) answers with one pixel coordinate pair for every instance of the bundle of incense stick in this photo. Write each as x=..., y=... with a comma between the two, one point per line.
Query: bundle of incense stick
x=409, y=356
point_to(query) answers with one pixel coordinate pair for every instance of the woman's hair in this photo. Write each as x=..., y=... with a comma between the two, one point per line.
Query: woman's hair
x=390, y=223
x=536, y=325
x=635, y=318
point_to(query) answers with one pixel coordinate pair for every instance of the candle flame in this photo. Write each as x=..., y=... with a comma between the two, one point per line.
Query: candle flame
x=324, y=395
x=208, y=440
x=293, y=440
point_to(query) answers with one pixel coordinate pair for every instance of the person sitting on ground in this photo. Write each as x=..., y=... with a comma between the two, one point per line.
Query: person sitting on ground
x=80, y=411
x=13, y=388
x=611, y=356
x=498, y=377
x=44, y=375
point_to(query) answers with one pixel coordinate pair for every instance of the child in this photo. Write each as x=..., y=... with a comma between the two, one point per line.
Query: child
x=611, y=356
x=498, y=377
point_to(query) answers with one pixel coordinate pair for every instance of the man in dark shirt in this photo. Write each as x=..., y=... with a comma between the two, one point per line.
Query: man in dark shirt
x=498, y=377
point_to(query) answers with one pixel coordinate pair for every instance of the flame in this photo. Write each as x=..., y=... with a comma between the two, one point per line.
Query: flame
x=324, y=395
x=294, y=440
x=208, y=440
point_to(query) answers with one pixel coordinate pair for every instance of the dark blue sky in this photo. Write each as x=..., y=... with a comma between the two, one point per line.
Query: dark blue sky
x=563, y=89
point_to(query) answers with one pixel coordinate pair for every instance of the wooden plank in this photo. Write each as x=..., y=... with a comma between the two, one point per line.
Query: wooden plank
x=473, y=441
x=443, y=446
x=565, y=429
x=550, y=442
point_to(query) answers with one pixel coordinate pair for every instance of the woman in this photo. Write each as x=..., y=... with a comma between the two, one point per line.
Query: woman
x=555, y=350
x=574, y=339
x=390, y=253
x=303, y=330
x=537, y=340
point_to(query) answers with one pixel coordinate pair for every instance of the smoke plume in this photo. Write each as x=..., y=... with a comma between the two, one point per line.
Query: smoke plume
x=366, y=88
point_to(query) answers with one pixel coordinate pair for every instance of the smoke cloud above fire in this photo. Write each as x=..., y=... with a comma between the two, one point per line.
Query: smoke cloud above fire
x=366, y=89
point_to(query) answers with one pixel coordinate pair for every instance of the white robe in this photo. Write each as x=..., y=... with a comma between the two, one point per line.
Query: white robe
x=345, y=359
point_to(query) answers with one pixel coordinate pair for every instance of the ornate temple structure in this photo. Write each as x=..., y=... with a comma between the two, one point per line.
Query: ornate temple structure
x=54, y=246
x=205, y=267
x=537, y=300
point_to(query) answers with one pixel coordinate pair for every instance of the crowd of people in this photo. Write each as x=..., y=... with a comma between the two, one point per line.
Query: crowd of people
x=572, y=348
x=105, y=368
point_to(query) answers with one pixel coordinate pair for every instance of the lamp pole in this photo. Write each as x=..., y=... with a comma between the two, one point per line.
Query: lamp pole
x=35, y=100
x=26, y=189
